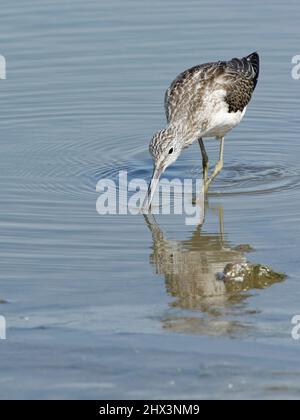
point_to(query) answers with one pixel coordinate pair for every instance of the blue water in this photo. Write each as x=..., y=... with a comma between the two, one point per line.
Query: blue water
x=94, y=306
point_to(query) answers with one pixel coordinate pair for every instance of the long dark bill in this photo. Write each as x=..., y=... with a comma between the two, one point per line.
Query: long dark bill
x=152, y=187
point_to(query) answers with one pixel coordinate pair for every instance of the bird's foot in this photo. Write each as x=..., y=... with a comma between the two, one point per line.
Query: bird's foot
x=216, y=171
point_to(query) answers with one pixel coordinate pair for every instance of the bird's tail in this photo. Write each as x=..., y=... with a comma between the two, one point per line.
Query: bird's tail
x=249, y=66
x=253, y=59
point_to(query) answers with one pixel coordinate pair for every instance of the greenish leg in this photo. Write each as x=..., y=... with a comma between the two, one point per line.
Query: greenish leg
x=205, y=161
x=218, y=166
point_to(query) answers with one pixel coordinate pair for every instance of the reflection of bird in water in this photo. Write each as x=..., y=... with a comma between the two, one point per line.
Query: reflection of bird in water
x=190, y=266
x=191, y=269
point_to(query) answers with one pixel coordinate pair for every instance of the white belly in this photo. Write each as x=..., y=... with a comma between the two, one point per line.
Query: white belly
x=223, y=121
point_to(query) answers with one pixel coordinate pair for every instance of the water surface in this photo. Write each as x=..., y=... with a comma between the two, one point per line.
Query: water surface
x=112, y=306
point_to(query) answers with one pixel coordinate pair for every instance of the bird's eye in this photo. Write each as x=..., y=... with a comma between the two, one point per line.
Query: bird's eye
x=171, y=151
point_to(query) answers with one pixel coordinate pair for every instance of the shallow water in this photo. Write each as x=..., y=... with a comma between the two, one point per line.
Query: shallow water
x=112, y=306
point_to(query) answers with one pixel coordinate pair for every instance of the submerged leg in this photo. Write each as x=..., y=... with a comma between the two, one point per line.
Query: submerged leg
x=218, y=166
x=205, y=161
x=221, y=221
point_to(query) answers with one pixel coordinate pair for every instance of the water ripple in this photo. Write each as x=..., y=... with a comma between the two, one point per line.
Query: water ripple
x=256, y=178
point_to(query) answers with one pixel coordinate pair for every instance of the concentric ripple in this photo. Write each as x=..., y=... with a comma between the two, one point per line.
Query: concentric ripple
x=253, y=178
x=236, y=178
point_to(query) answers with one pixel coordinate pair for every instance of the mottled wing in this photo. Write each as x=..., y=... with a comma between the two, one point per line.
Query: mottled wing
x=237, y=77
x=187, y=87
x=240, y=79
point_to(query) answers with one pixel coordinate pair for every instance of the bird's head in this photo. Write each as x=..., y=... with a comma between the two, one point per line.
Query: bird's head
x=165, y=147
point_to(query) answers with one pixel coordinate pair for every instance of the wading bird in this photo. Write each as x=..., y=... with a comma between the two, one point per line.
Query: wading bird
x=205, y=101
